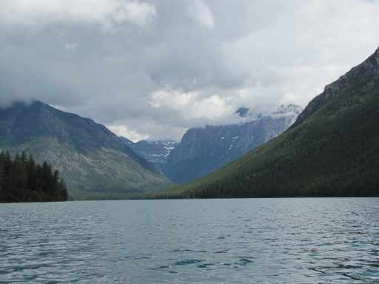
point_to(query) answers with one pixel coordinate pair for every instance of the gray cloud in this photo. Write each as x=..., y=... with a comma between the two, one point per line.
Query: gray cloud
x=154, y=68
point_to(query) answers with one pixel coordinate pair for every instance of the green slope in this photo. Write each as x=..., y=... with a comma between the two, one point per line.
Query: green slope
x=102, y=173
x=331, y=150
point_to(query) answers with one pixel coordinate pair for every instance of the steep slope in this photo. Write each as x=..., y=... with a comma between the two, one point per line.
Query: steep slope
x=204, y=150
x=156, y=152
x=94, y=162
x=331, y=150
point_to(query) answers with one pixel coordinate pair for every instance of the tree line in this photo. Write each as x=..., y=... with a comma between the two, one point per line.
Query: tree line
x=23, y=180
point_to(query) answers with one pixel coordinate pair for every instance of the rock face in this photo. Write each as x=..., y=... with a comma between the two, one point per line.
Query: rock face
x=156, y=152
x=331, y=150
x=93, y=161
x=204, y=150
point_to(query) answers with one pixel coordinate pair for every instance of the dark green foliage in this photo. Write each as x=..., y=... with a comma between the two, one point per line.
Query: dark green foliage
x=22, y=180
x=331, y=150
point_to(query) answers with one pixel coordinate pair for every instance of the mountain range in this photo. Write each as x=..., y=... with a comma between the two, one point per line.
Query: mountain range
x=94, y=162
x=331, y=150
x=206, y=149
x=155, y=151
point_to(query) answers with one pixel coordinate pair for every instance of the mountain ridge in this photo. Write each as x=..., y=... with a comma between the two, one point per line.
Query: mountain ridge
x=331, y=150
x=371, y=64
x=203, y=150
x=155, y=151
x=93, y=160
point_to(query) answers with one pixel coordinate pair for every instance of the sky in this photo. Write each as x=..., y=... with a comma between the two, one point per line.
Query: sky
x=150, y=69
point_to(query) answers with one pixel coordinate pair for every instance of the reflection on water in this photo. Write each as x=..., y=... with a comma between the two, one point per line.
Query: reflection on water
x=314, y=240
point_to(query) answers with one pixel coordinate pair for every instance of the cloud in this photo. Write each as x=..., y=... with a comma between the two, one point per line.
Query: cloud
x=202, y=14
x=155, y=68
x=198, y=106
x=137, y=12
x=104, y=12
x=124, y=131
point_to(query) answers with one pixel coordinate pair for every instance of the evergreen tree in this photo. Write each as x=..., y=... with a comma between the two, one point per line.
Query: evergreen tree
x=22, y=180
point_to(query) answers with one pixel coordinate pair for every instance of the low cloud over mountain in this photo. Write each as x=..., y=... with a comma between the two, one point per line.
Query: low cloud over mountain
x=156, y=68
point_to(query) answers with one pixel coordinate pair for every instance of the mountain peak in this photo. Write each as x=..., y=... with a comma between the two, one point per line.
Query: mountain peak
x=91, y=158
x=334, y=153
x=242, y=112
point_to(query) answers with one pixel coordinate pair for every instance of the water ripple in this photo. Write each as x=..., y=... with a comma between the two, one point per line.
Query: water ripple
x=192, y=241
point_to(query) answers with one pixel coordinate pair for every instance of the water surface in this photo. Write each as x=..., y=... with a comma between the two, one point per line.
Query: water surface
x=312, y=240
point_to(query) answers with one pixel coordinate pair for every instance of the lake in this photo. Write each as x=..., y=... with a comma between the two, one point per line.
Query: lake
x=299, y=240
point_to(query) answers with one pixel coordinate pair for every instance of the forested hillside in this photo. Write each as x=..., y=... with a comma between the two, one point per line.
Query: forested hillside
x=331, y=150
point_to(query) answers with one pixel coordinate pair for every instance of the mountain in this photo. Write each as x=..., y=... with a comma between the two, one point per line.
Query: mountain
x=204, y=150
x=126, y=141
x=93, y=161
x=331, y=150
x=156, y=152
x=243, y=112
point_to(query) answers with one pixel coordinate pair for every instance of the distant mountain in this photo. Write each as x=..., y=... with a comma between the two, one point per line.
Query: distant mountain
x=126, y=141
x=243, y=112
x=156, y=152
x=203, y=150
x=331, y=150
x=93, y=161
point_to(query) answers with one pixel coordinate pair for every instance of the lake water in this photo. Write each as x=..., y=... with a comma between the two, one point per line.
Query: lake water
x=314, y=240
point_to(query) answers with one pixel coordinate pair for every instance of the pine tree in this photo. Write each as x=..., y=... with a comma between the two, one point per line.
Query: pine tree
x=21, y=179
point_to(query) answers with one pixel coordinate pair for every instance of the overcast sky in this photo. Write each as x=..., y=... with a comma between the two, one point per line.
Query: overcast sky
x=153, y=68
